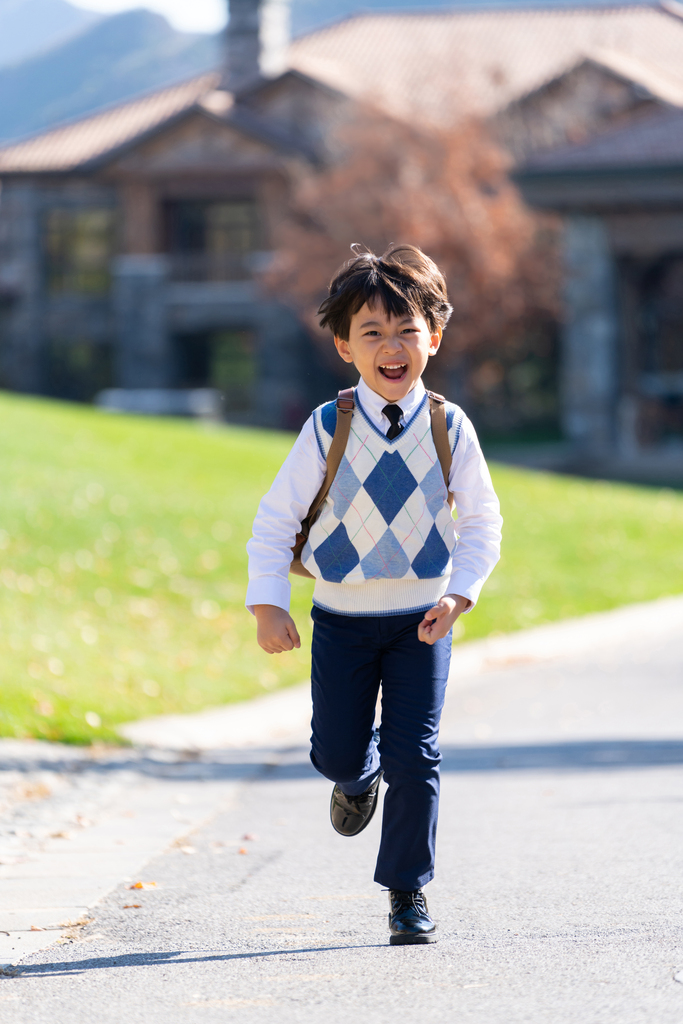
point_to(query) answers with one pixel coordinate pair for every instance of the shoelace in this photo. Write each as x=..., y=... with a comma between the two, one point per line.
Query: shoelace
x=407, y=899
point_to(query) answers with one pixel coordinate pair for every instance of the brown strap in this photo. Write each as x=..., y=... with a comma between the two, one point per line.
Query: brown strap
x=437, y=408
x=345, y=407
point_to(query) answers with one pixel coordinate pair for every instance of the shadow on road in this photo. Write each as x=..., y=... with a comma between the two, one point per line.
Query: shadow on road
x=293, y=763
x=576, y=755
x=573, y=755
x=68, y=968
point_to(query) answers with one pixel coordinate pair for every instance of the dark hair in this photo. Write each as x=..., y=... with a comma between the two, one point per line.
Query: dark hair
x=403, y=280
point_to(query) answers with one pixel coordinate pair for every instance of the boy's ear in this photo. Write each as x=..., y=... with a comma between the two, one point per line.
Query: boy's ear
x=343, y=349
x=436, y=341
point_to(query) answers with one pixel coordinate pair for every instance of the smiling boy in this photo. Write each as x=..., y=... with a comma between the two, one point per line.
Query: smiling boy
x=391, y=573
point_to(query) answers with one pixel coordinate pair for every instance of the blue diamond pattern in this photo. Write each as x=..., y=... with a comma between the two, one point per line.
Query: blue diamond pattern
x=336, y=556
x=390, y=485
x=386, y=561
x=431, y=561
x=344, y=489
x=432, y=486
x=328, y=417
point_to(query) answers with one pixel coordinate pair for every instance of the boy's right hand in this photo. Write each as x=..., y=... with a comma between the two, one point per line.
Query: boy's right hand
x=275, y=631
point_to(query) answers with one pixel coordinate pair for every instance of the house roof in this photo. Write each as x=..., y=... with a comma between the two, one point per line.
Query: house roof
x=83, y=141
x=653, y=141
x=444, y=64
x=658, y=83
x=438, y=66
x=650, y=79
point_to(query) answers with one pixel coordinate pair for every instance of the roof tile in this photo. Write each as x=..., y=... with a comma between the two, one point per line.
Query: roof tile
x=439, y=66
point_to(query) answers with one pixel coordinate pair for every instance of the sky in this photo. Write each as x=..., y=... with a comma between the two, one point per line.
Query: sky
x=185, y=15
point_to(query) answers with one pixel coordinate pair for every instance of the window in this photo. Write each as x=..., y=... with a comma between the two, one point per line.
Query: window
x=662, y=318
x=76, y=368
x=79, y=245
x=660, y=356
x=211, y=240
x=219, y=359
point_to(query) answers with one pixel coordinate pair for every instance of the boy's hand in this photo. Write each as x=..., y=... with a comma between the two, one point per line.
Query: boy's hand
x=439, y=619
x=275, y=631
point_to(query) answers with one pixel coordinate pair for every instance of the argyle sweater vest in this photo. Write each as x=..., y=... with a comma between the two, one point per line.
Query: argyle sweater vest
x=383, y=543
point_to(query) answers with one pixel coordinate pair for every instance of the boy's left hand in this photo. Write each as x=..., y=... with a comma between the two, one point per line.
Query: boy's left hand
x=439, y=619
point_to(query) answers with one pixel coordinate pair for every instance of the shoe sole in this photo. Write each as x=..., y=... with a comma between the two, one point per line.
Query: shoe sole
x=412, y=940
x=350, y=835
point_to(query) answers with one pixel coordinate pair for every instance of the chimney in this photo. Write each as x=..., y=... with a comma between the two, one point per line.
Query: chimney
x=256, y=41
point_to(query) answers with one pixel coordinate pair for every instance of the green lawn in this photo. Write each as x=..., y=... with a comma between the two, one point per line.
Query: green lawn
x=122, y=564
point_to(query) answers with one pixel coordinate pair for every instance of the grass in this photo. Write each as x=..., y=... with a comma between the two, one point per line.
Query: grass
x=123, y=569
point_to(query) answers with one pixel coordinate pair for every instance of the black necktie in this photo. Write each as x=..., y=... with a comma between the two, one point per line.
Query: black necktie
x=393, y=413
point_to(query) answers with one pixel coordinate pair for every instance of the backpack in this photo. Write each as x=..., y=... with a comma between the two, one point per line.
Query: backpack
x=345, y=407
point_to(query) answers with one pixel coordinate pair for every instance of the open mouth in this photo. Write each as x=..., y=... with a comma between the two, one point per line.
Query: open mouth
x=394, y=371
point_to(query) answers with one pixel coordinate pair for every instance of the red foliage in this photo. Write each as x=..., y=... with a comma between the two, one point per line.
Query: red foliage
x=450, y=193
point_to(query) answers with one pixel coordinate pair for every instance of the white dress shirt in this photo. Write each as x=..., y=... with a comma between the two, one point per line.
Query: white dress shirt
x=282, y=509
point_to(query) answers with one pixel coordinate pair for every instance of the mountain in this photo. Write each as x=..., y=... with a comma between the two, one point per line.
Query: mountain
x=28, y=27
x=118, y=57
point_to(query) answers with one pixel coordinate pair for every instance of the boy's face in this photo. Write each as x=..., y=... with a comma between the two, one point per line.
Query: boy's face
x=389, y=352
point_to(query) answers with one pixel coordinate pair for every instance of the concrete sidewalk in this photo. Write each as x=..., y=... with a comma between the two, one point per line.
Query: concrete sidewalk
x=283, y=718
x=560, y=846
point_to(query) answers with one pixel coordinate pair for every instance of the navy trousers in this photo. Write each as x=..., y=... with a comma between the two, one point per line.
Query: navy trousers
x=351, y=656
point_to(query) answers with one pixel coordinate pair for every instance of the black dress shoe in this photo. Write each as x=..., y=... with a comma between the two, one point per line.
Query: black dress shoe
x=409, y=920
x=350, y=814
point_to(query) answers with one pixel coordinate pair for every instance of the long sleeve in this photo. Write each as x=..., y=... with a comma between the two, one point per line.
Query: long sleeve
x=278, y=521
x=479, y=520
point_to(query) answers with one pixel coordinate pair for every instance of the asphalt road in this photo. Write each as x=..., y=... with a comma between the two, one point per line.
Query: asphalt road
x=558, y=893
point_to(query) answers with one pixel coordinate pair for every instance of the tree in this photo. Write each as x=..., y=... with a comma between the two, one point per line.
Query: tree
x=448, y=191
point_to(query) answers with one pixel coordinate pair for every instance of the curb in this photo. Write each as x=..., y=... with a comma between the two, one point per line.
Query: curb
x=283, y=718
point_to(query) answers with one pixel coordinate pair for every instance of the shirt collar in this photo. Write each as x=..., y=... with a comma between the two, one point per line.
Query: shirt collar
x=373, y=403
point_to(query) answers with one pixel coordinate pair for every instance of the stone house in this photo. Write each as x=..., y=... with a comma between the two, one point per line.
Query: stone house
x=621, y=195
x=130, y=240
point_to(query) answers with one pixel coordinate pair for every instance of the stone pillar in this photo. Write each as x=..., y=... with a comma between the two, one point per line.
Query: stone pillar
x=588, y=365
x=140, y=214
x=140, y=310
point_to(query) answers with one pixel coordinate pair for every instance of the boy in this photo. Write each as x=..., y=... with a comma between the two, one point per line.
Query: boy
x=391, y=574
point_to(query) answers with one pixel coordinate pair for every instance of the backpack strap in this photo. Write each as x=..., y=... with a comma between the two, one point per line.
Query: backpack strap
x=437, y=408
x=345, y=407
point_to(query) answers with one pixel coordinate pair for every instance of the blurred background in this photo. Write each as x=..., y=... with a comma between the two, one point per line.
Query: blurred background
x=178, y=183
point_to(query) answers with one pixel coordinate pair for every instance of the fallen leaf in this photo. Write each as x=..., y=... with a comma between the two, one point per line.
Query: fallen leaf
x=142, y=885
x=249, y=837
x=35, y=928
x=59, y=835
x=76, y=922
x=34, y=791
x=132, y=906
x=243, y=849
x=187, y=849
